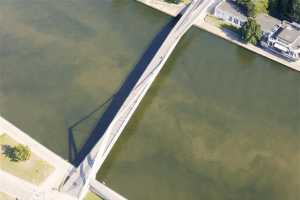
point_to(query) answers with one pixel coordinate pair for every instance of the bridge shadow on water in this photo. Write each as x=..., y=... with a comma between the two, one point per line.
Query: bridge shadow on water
x=117, y=100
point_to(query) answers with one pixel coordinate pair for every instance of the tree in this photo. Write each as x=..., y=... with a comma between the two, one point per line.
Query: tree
x=251, y=31
x=253, y=7
x=21, y=152
x=261, y=6
x=248, y=6
x=285, y=9
x=279, y=8
x=274, y=8
x=174, y=1
x=17, y=153
x=293, y=10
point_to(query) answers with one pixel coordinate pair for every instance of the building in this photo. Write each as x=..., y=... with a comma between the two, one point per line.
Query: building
x=284, y=40
x=230, y=13
x=280, y=37
x=268, y=24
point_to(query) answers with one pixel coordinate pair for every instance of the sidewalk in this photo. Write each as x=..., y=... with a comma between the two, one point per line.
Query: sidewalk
x=9, y=183
x=161, y=5
x=23, y=189
x=229, y=36
x=61, y=166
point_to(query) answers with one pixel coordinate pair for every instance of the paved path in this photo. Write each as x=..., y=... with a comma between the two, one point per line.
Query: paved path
x=23, y=190
x=60, y=165
x=78, y=180
x=172, y=9
x=52, y=181
x=228, y=35
x=104, y=192
x=15, y=186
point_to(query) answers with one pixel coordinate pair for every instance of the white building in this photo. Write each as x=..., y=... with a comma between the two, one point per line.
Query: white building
x=230, y=13
x=280, y=37
x=284, y=40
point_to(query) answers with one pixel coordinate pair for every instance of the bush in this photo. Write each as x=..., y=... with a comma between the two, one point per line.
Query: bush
x=22, y=152
x=174, y=1
x=251, y=31
x=17, y=153
x=285, y=9
x=248, y=6
x=230, y=27
x=261, y=6
x=253, y=7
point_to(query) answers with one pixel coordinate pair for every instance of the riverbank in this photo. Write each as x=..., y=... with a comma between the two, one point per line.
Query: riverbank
x=51, y=183
x=17, y=187
x=174, y=9
x=167, y=8
x=34, y=170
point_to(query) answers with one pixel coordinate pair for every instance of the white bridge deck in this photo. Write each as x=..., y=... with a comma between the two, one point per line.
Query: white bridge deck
x=78, y=181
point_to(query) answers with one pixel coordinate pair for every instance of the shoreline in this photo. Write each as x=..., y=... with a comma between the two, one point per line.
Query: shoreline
x=167, y=8
x=61, y=167
x=174, y=9
x=49, y=188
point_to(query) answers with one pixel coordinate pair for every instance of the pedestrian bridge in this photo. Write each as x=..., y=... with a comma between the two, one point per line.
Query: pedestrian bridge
x=78, y=181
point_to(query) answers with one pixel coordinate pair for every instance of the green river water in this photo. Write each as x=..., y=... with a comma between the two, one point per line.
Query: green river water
x=219, y=123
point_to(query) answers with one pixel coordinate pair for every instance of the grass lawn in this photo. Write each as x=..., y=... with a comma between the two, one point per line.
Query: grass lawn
x=91, y=196
x=220, y=23
x=214, y=20
x=4, y=196
x=34, y=170
x=181, y=1
x=186, y=1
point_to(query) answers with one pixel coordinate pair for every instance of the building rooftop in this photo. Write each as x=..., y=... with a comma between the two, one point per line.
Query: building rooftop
x=267, y=22
x=289, y=34
x=296, y=44
x=233, y=9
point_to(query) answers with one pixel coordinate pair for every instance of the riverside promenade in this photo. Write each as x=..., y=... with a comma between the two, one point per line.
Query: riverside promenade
x=173, y=9
x=20, y=189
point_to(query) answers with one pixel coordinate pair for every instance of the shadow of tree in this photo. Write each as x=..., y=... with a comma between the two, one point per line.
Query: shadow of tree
x=8, y=151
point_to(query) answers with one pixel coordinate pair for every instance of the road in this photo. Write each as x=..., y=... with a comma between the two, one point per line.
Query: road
x=77, y=182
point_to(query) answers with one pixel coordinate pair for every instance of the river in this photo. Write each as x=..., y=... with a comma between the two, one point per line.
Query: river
x=220, y=122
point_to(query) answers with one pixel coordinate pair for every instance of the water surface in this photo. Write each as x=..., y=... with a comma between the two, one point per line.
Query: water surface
x=219, y=122
x=61, y=59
